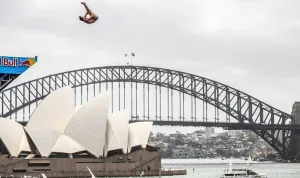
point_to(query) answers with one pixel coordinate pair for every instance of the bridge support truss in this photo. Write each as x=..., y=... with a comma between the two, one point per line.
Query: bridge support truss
x=6, y=79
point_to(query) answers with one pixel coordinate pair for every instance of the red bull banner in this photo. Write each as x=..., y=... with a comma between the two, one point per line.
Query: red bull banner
x=15, y=65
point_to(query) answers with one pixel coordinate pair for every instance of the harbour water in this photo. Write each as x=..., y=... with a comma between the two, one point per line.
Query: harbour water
x=211, y=168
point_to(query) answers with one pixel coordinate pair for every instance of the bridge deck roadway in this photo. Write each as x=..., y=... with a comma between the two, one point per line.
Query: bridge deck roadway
x=233, y=126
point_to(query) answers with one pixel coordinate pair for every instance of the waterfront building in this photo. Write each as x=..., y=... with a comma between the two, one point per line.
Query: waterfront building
x=233, y=133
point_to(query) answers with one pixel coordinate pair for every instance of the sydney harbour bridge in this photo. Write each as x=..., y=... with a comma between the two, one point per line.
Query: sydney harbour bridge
x=166, y=97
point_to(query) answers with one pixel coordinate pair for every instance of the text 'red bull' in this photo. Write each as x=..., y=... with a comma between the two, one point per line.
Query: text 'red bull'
x=8, y=63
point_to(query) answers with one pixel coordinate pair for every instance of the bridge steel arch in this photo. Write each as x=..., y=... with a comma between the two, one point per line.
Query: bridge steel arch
x=274, y=124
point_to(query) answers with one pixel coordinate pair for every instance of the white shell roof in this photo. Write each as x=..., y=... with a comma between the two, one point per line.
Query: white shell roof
x=88, y=125
x=13, y=135
x=130, y=140
x=44, y=138
x=112, y=141
x=57, y=126
x=24, y=143
x=118, y=127
x=65, y=144
x=50, y=119
x=139, y=133
x=55, y=111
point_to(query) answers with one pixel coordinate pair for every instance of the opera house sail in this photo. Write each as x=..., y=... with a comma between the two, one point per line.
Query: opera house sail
x=62, y=140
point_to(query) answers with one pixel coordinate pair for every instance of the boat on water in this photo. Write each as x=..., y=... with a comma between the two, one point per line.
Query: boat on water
x=241, y=173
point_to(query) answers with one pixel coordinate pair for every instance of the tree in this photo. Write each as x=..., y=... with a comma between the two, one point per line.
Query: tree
x=151, y=137
x=169, y=152
x=253, y=138
x=179, y=141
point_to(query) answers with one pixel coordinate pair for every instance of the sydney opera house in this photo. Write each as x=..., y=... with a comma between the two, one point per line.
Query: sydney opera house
x=62, y=140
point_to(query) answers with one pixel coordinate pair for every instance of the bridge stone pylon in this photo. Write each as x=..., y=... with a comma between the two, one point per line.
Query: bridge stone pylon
x=295, y=135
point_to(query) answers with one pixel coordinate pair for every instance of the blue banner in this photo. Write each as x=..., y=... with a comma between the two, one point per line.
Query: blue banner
x=15, y=65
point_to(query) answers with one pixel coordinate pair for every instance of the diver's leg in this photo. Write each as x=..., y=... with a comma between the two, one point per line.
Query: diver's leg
x=88, y=10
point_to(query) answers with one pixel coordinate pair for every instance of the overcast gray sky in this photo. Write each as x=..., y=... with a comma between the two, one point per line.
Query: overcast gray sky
x=252, y=45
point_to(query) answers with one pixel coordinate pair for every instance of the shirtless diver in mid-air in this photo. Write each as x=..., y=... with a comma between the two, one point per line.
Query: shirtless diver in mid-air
x=89, y=20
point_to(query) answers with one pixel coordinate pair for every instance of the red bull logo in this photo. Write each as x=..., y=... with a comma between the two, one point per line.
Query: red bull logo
x=15, y=65
x=25, y=63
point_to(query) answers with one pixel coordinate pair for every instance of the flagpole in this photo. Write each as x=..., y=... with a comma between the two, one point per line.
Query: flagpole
x=125, y=59
x=132, y=55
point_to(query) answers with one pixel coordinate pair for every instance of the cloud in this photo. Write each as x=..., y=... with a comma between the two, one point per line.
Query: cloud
x=266, y=18
x=252, y=45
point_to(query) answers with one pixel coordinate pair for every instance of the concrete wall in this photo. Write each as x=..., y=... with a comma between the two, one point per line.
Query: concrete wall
x=117, y=165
